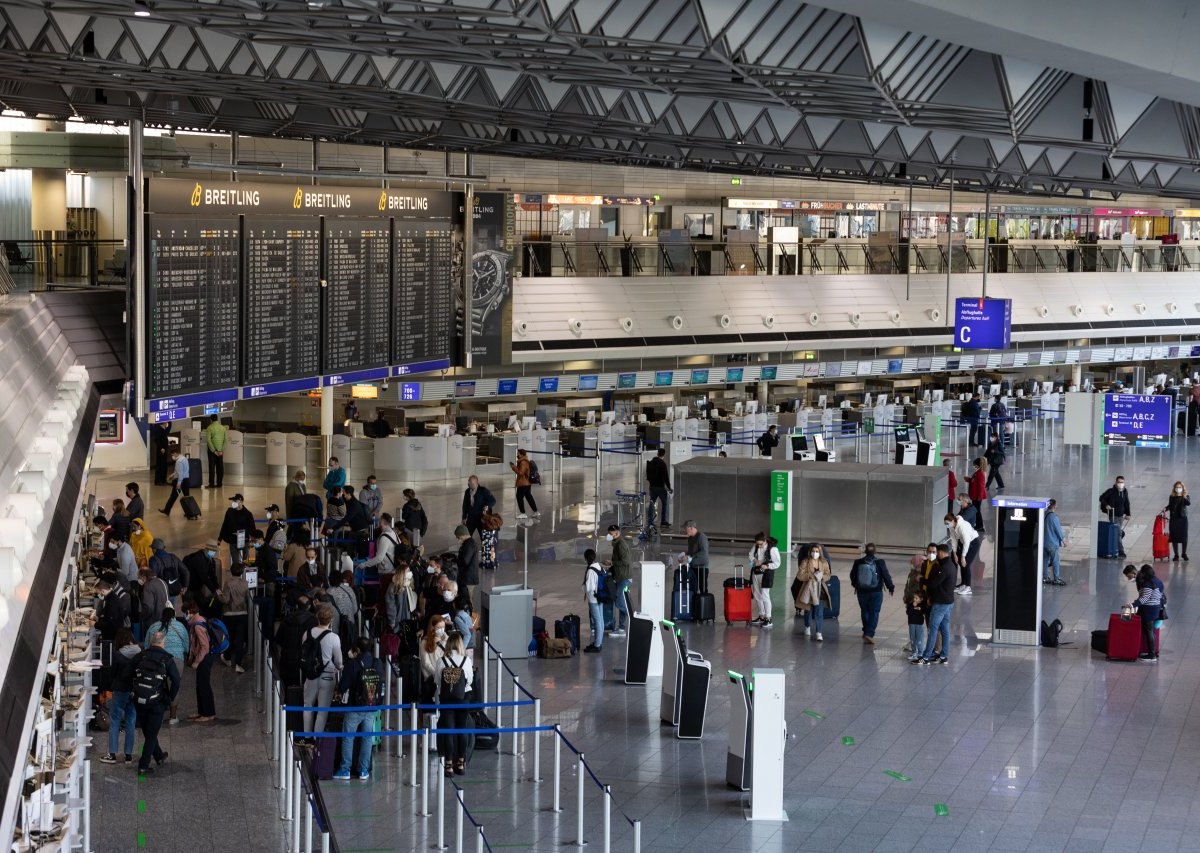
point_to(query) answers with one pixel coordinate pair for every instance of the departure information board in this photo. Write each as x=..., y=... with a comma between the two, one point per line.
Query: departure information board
x=193, y=304
x=423, y=304
x=1137, y=420
x=358, y=294
x=283, y=299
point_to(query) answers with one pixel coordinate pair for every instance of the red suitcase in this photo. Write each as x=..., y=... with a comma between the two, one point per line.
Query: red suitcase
x=1162, y=538
x=737, y=597
x=1124, y=637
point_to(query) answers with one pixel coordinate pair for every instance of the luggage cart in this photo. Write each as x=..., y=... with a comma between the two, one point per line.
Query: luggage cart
x=631, y=508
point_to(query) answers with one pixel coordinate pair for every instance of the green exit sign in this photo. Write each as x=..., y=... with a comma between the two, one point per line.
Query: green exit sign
x=737, y=182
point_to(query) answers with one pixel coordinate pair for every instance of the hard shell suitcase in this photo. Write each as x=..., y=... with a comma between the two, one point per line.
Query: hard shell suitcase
x=1100, y=642
x=737, y=598
x=191, y=509
x=1162, y=538
x=325, y=757
x=1124, y=637
x=834, y=608
x=195, y=473
x=568, y=627
x=681, y=598
x=484, y=740
x=704, y=607
x=1108, y=539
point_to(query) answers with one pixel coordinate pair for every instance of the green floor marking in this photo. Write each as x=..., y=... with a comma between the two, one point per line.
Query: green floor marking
x=141, y=839
x=141, y=806
x=141, y=777
x=941, y=809
x=899, y=777
x=847, y=740
x=816, y=715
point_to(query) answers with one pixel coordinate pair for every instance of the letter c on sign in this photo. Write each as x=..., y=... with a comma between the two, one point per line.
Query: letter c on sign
x=964, y=335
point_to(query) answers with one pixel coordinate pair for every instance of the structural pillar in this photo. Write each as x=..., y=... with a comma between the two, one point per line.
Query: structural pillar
x=763, y=395
x=1077, y=376
x=326, y=425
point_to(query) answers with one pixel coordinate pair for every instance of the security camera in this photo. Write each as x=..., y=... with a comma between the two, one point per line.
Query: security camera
x=627, y=324
x=1077, y=310
x=935, y=314
x=724, y=321
x=521, y=328
x=575, y=326
x=894, y=316
x=1139, y=307
x=855, y=318
x=814, y=318
x=1043, y=311
x=677, y=322
x=769, y=321
x=1172, y=307
x=1110, y=309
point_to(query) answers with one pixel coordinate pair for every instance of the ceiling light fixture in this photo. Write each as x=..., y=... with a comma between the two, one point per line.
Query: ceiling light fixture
x=141, y=9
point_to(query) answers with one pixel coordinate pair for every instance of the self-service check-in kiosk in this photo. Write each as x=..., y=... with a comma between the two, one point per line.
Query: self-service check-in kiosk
x=672, y=672
x=685, y=684
x=741, y=716
x=768, y=739
x=913, y=449
x=800, y=449
x=644, y=647
x=1018, y=562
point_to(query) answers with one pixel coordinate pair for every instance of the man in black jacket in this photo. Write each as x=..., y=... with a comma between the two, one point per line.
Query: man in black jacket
x=238, y=520
x=171, y=570
x=357, y=520
x=135, y=507
x=768, y=441
x=160, y=445
x=658, y=476
x=476, y=501
x=868, y=577
x=289, y=637
x=972, y=411
x=204, y=576
x=1114, y=504
x=468, y=560
x=940, y=588
x=150, y=714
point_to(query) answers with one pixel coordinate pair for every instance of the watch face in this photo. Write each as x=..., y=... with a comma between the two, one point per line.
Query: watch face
x=488, y=268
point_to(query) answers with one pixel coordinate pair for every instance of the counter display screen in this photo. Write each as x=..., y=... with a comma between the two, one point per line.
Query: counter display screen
x=1137, y=420
x=663, y=378
x=464, y=389
x=768, y=373
x=699, y=377
x=588, y=383
x=506, y=386
x=423, y=306
x=283, y=291
x=548, y=385
x=357, y=295
x=734, y=374
x=410, y=391
x=194, y=303
x=626, y=380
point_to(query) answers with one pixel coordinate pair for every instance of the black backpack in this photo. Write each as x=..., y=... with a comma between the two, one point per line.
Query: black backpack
x=453, y=682
x=149, y=681
x=535, y=476
x=1050, y=632
x=170, y=574
x=312, y=662
x=368, y=689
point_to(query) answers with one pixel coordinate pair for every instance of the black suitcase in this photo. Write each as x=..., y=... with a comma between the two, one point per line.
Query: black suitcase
x=704, y=607
x=195, y=473
x=681, y=597
x=484, y=740
x=191, y=509
x=834, y=608
x=294, y=697
x=568, y=627
x=325, y=759
x=1100, y=642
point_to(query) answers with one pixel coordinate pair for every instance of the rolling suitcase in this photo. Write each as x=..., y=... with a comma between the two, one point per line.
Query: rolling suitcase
x=325, y=757
x=704, y=607
x=293, y=697
x=1100, y=642
x=834, y=608
x=191, y=509
x=195, y=473
x=737, y=597
x=1162, y=538
x=568, y=627
x=1124, y=637
x=1108, y=540
x=681, y=597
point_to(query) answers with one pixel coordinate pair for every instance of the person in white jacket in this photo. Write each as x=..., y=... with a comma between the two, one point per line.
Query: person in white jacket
x=764, y=561
x=384, y=561
x=591, y=585
x=964, y=545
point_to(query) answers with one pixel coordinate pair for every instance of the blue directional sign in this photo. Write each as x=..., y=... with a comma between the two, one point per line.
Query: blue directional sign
x=421, y=367
x=410, y=391
x=184, y=401
x=982, y=323
x=1137, y=420
x=506, y=387
x=548, y=385
x=167, y=416
x=372, y=375
x=290, y=386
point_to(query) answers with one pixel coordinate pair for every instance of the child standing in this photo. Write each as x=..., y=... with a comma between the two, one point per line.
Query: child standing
x=914, y=607
x=591, y=585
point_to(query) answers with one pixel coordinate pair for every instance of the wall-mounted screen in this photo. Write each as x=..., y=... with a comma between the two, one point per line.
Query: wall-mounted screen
x=768, y=374
x=1137, y=420
x=626, y=380
x=663, y=378
x=548, y=385
x=410, y=391
x=588, y=383
x=699, y=377
x=734, y=374
x=506, y=387
x=464, y=388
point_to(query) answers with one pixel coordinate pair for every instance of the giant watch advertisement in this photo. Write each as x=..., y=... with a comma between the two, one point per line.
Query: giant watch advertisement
x=492, y=279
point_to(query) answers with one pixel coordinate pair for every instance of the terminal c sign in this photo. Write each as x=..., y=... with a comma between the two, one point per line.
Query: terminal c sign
x=982, y=323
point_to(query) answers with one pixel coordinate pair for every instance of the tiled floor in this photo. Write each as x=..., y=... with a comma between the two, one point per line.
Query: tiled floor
x=1029, y=750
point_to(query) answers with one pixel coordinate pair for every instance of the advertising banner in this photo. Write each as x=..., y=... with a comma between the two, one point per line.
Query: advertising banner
x=492, y=278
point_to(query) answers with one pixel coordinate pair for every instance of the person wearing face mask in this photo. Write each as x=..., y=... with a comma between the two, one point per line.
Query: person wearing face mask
x=204, y=577
x=432, y=645
x=136, y=508
x=460, y=615
x=813, y=595
x=940, y=590
x=335, y=480
x=413, y=518
x=1176, y=510
x=384, y=562
x=123, y=557
x=237, y=527
x=764, y=562
x=235, y=596
x=141, y=540
x=1053, y=538
x=371, y=498
x=295, y=489
x=1114, y=503
x=477, y=500
x=977, y=490
x=276, y=532
x=868, y=577
x=312, y=573
x=216, y=435
x=401, y=599
x=965, y=548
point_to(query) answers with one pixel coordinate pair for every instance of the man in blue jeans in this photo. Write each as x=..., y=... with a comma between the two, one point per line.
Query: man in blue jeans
x=621, y=567
x=868, y=577
x=1053, y=538
x=361, y=685
x=591, y=586
x=940, y=589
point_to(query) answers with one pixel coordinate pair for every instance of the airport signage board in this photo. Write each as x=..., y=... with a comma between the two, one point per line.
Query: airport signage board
x=982, y=323
x=1137, y=420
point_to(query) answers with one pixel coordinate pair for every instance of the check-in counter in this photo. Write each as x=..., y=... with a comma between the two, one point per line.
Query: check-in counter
x=896, y=506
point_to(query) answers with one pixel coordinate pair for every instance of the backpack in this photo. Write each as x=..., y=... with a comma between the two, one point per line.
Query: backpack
x=312, y=662
x=168, y=570
x=1050, y=632
x=149, y=681
x=868, y=574
x=368, y=689
x=535, y=476
x=218, y=637
x=603, y=585
x=453, y=682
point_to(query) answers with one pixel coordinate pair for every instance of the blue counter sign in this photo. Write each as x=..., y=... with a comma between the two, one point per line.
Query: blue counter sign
x=1137, y=420
x=410, y=391
x=982, y=323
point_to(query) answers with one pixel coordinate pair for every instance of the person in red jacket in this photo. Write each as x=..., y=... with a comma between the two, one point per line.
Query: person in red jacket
x=953, y=482
x=977, y=489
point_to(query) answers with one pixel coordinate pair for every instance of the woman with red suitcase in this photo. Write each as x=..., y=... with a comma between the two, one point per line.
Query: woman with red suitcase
x=1177, y=523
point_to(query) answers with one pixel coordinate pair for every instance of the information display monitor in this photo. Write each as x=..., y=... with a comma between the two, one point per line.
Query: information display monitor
x=626, y=380
x=1137, y=420
x=506, y=387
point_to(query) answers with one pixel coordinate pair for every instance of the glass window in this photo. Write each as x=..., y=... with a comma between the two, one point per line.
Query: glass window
x=609, y=220
x=698, y=224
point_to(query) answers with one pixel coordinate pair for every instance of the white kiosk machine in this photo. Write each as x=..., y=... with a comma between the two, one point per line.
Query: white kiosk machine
x=768, y=739
x=644, y=648
x=741, y=716
x=1017, y=608
x=672, y=673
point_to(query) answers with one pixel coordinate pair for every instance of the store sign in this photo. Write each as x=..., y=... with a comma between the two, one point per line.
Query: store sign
x=781, y=507
x=1137, y=420
x=982, y=323
x=1129, y=211
x=554, y=198
x=634, y=200
x=848, y=206
x=752, y=203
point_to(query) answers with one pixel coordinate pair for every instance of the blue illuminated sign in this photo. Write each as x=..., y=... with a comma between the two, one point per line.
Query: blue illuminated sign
x=982, y=323
x=410, y=391
x=626, y=380
x=768, y=374
x=421, y=367
x=699, y=377
x=372, y=375
x=663, y=378
x=588, y=383
x=1021, y=503
x=290, y=386
x=186, y=401
x=548, y=385
x=167, y=416
x=506, y=387
x=895, y=365
x=1137, y=420
x=733, y=374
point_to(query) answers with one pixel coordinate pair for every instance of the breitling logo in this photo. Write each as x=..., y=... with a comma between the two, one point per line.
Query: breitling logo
x=298, y=198
x=383, y=200
x=197, y=194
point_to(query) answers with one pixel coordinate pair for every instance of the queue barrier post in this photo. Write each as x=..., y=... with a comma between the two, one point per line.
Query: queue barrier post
x=413, y=769
x=308, y=824
x=479, y=840
x=580, y=772
x=516, y=708
x=325, y=841
x=637, y=836
x=458, y=821
x=295, y=810
x=487, y=647
x=425, y=761
x=441, y=812
x=87, y=806
x=607, y=818
x=537, y=741
x=557, y=767
x=286, y=762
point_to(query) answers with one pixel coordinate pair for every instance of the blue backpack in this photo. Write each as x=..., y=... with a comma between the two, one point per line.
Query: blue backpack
x=218, y=637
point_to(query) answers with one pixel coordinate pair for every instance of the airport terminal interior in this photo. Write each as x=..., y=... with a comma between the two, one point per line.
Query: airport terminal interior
x=908, y=286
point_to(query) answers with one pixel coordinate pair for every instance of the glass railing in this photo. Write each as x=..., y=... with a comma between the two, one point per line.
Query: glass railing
x=50, y=264
x=565, y=257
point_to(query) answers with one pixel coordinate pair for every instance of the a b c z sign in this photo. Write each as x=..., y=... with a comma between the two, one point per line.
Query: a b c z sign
x=982, y=323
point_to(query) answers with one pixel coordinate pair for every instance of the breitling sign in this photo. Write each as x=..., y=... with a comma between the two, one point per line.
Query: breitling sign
x=165, y=195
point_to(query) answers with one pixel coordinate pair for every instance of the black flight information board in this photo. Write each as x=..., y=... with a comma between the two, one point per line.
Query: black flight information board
x=358, y=294
x=423, y=307
x=283, y=299
x=193, y=305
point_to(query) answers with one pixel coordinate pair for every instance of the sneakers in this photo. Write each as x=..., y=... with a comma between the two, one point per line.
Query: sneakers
x=917, y=660
x=537, y=515
x=521, y=516
x=128, y=759
x=757, y=620
x=342, y=776
x=958, y=587
x=820, y=639
x=591, y=649
x=913, y=658
x=1048, y=581
x=1059, y=582
x=161, y=761
x=108, y=758
x=807, y=631
x=239, y=669
x=944, y=661
x=868, y=640
x=766, y=623
x=174, y=721
x=364, y=777
x=964, y=590
x=1145, y=657
x=616, y=633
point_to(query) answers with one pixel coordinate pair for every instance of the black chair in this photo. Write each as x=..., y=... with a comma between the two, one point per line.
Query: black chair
x=16, y=260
